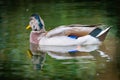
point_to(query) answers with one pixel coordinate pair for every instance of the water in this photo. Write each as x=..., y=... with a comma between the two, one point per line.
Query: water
x=15, y=64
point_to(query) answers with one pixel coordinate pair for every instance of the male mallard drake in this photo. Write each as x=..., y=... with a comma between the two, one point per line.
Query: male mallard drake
x=74, y=34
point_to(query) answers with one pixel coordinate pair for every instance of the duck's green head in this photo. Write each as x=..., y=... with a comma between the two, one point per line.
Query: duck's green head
x=36, y=23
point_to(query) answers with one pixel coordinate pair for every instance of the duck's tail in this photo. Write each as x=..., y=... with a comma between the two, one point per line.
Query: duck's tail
x=102, y=35
x=99, y=33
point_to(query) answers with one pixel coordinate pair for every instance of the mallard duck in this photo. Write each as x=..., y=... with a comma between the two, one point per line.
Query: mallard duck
x=64, y=39
x=65, y=35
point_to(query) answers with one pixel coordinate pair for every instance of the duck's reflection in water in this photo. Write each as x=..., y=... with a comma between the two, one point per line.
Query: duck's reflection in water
x=65, y=52
x=38, y=61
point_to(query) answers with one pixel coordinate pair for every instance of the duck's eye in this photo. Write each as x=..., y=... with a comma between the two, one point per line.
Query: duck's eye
x=34, y=27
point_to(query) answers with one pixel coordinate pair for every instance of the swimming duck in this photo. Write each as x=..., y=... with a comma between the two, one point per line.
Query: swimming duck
x=66, y=38
x=65, y=35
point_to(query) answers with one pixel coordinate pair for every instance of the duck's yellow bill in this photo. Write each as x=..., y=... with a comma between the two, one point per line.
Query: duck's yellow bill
x=28, y=27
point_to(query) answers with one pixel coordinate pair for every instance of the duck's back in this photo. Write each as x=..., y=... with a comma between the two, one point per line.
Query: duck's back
x=68, y=30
